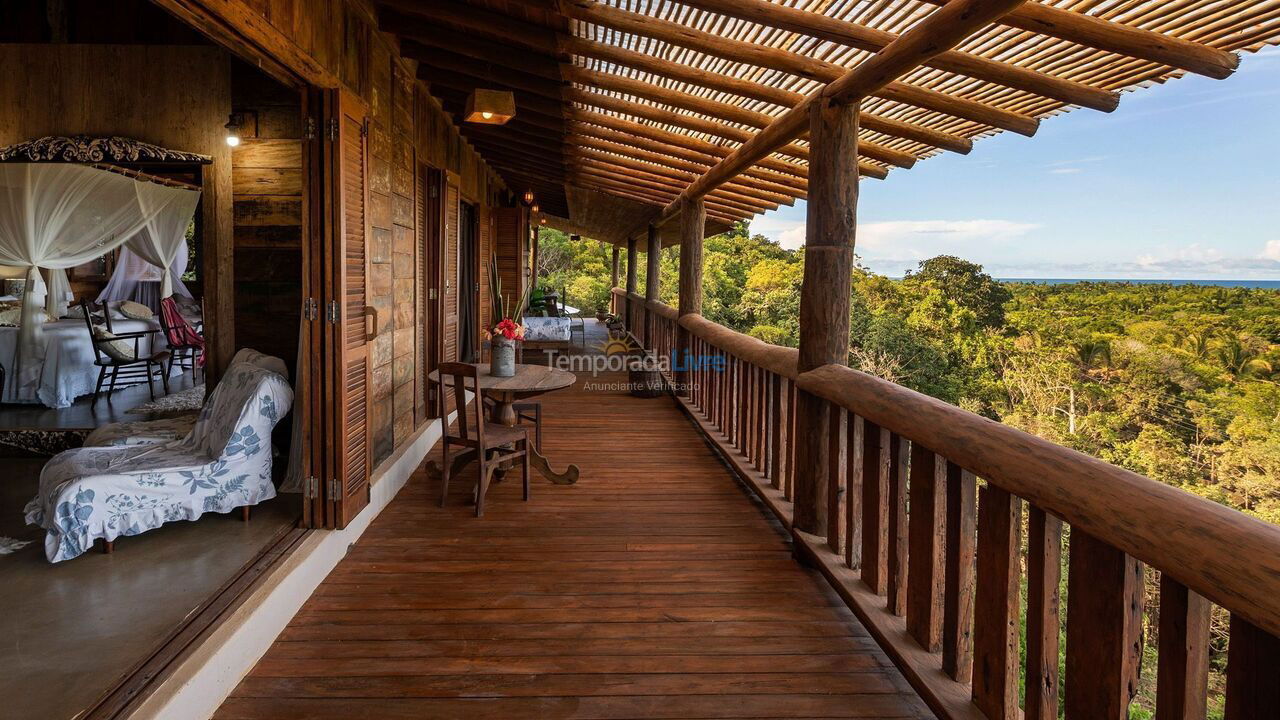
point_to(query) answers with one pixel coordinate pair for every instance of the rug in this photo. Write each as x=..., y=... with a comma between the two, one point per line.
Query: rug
x=183, y=402
x=41, y=443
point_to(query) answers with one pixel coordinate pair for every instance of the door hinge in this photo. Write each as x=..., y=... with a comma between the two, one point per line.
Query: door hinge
x=334, y=312
x=335, y=489
x=364, y=128
x=333, y=129
x=433, y=294
x=310, y=309
x=309, y=129
x=310, y=487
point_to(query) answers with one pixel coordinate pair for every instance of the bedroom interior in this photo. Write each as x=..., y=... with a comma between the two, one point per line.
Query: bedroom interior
x=148, y=106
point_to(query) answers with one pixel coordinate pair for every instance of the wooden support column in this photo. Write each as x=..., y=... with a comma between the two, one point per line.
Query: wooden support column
x=613, y=279
x=693, y=222
x=651, y=280
x=533, y=262
x=631, y=278
x=824, y=296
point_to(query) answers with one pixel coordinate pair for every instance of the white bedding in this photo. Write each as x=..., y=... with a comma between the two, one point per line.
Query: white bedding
x=68, y=371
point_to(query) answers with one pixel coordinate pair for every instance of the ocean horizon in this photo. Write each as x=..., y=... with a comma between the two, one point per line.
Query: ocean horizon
x=1261, y=284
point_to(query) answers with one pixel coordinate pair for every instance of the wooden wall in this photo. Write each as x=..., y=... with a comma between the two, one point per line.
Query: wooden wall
x=329, y=43
x=174, y=96
x=267, y=194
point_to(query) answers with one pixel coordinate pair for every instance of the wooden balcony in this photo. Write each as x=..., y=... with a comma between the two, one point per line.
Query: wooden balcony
x=655, y=587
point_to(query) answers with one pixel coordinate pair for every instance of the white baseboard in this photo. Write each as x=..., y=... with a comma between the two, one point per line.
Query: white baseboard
x=204, y=679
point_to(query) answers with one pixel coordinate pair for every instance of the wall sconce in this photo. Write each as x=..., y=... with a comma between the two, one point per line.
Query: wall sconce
x=241, y=124
x=235, y=122
x=490, y=107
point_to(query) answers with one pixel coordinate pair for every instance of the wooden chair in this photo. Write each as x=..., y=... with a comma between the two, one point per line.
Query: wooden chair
x=183, y=352
x=488, y=440
x=116, y=369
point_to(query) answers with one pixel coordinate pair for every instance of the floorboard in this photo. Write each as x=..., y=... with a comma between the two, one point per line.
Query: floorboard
x=655, y=588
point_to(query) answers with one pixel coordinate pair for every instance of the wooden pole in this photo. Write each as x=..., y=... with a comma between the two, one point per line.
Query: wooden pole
x=653, y=255
x=693, y=221
x=824, y=294
x=631, y=277
x=613, y=280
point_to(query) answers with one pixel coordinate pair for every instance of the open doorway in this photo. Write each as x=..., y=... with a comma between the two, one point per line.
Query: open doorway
x=469, y=283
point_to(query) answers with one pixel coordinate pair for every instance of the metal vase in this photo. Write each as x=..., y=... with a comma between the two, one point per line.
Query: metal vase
x=502, y=361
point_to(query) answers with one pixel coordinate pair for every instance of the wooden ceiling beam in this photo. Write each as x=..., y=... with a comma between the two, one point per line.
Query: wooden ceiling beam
x=647, y=176
x=942, y=30
x=754, y=91
x=1121, y=39
x=434, y=57
x=465, y=83
x=844, y=32
x=659, y=197
x=715, y=109
x=793, y=63
x=675, y=162
x=684, y=177
x=469, y=45
x=588, y=132
x=465, y=18
x=688, y=122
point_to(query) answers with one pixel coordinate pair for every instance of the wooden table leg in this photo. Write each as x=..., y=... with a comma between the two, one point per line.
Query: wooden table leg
x=538, y=462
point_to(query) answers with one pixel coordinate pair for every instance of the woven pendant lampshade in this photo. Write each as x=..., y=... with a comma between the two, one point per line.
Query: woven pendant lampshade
x=490, y=107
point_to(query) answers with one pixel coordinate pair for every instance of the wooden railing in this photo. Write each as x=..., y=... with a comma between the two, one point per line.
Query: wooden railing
x=939, y=521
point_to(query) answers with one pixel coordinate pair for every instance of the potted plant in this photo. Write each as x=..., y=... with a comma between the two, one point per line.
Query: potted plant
x=505, y=328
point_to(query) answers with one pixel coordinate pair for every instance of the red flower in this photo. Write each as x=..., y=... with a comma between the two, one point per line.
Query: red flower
x=509, y=330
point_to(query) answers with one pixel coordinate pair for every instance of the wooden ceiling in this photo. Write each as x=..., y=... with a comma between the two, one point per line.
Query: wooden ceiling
x=640, y=98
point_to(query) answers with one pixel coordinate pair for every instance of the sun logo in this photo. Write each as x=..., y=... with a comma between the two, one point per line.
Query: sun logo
x=617, y=346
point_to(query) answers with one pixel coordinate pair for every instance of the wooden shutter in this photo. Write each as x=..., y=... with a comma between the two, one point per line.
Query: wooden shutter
x=486, y=251
x=311, y=358
x=452, y=220
x=348, y=304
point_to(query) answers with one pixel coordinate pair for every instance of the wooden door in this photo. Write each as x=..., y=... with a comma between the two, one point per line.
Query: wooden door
x=431, y=220
x=486, y=252
x=348, y=306
x=311, y=355
x=452, y=221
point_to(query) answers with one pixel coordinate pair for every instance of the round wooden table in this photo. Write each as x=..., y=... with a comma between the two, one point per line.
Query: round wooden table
x=529, y=381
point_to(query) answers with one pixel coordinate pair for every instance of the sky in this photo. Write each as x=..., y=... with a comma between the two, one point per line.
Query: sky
x=1182, y=181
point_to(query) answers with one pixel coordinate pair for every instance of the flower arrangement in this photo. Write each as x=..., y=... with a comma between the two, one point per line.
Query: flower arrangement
x=509, y=329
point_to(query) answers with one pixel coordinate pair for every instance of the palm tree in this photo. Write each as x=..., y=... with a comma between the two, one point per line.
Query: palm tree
x=1241, y=360
x=1093, y=353
x=1197, y=344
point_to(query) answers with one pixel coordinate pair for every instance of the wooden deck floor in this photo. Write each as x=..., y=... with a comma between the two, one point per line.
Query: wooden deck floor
x=653, y=588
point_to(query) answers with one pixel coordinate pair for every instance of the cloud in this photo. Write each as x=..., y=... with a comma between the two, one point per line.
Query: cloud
x=1190, y=262
x=792, y=238
x=925, y=238
x=1272, y=250
x=1065, y=171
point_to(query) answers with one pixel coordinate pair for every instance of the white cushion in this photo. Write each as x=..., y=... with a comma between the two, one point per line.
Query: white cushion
x=10, y=317
x=136, y=311
x=115, y=349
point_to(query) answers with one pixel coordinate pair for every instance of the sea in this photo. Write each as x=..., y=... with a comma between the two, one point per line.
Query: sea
x=1263, y=284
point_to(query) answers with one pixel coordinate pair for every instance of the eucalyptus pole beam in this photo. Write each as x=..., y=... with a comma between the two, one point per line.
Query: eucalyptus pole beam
x=658, y=182
x=1121, y=39
x=665, y=170
x=651, y=196
x=755, y=91
x=945, y=28
x=870, y=39
x=648, y=112
x=613, y=276
x=693, y=221
x=716, y=109
x=824, y=296
x=795, y=64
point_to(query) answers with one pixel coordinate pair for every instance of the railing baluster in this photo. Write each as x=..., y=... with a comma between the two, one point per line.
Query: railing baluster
x=1253, y=660
x=927, y=558
x=1182, y=669
x=875, y=508
x=899, y=467
x=1104, y=629
x=853, y=496
x=1044, y=576
x=835, y=477
x=995, y=626
x=789, y=490
x=957, y=614
x=775, y=431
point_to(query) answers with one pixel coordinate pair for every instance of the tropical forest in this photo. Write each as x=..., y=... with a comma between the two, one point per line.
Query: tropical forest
x=1176, y=382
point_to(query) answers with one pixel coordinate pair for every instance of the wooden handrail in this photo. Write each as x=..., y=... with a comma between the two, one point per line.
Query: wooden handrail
x=775, y=359
x=1229, y=557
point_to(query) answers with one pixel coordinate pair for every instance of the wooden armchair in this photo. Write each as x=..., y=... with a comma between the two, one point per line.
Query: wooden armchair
x=493, y=443
x=119, y=355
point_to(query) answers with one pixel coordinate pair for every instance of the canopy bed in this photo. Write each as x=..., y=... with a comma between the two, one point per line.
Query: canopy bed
x=65, y=201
